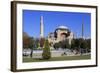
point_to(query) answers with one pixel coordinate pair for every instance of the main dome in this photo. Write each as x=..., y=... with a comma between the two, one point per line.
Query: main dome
x=62, y=27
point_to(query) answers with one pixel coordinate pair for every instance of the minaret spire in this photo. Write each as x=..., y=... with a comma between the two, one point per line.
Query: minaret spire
x=82, y=29
x=41, y=27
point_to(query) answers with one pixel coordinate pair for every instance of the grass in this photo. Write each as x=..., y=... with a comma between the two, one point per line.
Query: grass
x=82, y=57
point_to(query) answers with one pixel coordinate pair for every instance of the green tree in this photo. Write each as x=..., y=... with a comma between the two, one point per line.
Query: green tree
x=77, y=43
x=46, y=50
x=36, y=43
x=25, y=42
x=67, y=44
x=89, y=43
x=62, y=44
x=31, y=45
x=56, y=45
x=83, y=44
x=73, y=44
x=42, y=40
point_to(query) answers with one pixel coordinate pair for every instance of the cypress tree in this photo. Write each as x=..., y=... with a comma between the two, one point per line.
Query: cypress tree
x=46, y=50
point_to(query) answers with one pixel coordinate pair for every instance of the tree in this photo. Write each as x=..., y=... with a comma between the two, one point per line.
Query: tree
x=67, y=44
x=36, y=43
x=73, y=44
x=62, y=44
x=42, y=40
x=56, y=45
x=25, y=42
x=88, y=43
x=46, y=50
x=77, y=43
x=83, y=44
x=31, y=45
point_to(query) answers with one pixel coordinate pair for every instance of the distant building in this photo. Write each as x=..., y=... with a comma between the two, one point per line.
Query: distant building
x=60, y=34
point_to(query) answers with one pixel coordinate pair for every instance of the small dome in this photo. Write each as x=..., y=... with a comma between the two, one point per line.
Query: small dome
x=62, y=27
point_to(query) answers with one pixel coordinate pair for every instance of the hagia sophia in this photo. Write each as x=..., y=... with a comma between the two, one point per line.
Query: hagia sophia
x=61, y=33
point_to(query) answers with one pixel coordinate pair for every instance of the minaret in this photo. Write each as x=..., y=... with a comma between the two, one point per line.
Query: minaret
x=82, y=30
x=41, y=32
x=41, y=27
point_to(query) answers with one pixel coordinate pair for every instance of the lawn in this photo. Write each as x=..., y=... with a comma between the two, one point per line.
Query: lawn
x=82, y=57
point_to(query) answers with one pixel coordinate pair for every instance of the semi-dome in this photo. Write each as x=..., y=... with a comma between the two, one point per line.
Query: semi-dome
x=62, y=27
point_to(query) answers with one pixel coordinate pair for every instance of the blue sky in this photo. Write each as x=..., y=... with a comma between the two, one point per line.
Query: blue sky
x=52, y=20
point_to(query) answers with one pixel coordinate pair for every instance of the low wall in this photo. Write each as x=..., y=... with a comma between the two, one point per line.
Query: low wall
x=54, y=53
